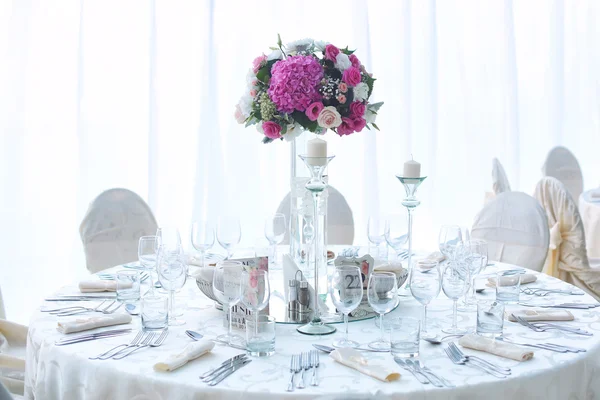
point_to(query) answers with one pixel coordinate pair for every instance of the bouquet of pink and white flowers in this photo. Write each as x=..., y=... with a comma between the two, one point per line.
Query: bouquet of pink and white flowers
x=307, y=85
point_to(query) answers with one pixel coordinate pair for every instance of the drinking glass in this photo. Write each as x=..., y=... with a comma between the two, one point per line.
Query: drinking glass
x=260, y=339
x=477, y=261
x=226, y=288
x=203, y=238
x=455, y=283
x=154, y=313
x=255, y=292
x=275, y=228
x=465, y=233
x=425, y=284
x=490, y=318
x=169, y=238
x=396, y=232
x=382, y=293
x=346, y=293
x=229, y=233
x=405, y=337
x=128, y=286
x=508, y=288
x=147, y=249
x=450, y=236
x=172, y=274
x=376, y=232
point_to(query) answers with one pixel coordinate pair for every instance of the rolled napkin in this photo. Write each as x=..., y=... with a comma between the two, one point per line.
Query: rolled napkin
x=532, y=315
x=436, y=256
x=83, y=324
x=99, y=285
x=191, y=352
x=353, y=359
x=525, y=278
x=502, y=349
x=395, y=267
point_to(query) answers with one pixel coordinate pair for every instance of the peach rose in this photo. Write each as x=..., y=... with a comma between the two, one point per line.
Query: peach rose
x=329, y=118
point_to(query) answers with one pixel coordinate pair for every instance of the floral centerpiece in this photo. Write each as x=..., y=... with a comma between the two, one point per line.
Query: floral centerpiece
x=307, y=85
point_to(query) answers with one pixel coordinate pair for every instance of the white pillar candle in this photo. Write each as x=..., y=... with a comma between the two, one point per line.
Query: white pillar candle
x=316, y=148
x=412, y=169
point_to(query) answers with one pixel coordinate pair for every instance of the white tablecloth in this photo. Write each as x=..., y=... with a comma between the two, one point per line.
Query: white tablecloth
x=65, y=372
x=589, y=208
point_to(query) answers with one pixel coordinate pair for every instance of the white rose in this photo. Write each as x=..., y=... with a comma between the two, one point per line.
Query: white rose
x=342, y=62
x=239, y=117
x=275, y=55
x=293, y=132
x=361, y=92
x=329, y=118
x=299, y=45
x=320, y=44
x=246, y=105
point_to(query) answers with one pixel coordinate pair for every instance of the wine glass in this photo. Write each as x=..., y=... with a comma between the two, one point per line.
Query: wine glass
x=275, y=228
x=172, y=274
x=203, y=238
x=425, y=284
x=450, y=236
x=376, y=231
x=465, y=233
x=382, y=293
x=455, y=283
x=226, y=288
x=255, y=292
x=169, y=238
x=346, y=293
x=396, y=232
x=147, y=249
x=475, y=258
x=229, y=233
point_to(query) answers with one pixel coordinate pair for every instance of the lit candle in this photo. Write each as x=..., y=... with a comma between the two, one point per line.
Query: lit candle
x=316, y=148
x=412, y=169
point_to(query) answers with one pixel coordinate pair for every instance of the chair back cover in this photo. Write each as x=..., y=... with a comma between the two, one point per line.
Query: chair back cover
x=499, y=178
x=515, y=228
x=567, y=256
x=340, y=222
x=562, y=165
x=13, y=341
x=112, y=226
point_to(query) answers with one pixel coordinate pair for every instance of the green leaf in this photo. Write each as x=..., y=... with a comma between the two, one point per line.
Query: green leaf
x=273, y=48
x=375, y=126
x=369, y=81
x=266, y=140
x=303, y=120
x=368, y=127
x=374, y=107
x=251, y=120
x=264, y=74
x=284, y=129
x=279, y=40
x=346, y=51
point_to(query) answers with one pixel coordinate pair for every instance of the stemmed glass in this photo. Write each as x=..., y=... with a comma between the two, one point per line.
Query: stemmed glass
x=172, y=274
x=203, y=238
x=455, y=283
x=275, y=228
x=376, y=232
x=226, y=288
x=147, y=249
x=346, y=293
x=425, y=284
x=474, y=254
x=382, y=293
x=229, y=233
x=169, y=238
x=255, y=291
x=450, y=236
x=396, y=232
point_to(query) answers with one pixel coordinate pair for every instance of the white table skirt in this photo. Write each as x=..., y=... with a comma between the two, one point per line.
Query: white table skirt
x=65, y=372
x=589, y=208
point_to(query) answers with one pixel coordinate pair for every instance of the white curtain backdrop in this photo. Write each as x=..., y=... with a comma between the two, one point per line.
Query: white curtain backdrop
x=140, y=94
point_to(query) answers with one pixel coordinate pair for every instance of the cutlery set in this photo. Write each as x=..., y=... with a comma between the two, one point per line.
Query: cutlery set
x=111, y=277
x=140, y=341
x=74, y=310
x=228, y=367
x=541, y=292
x=459, y=358
x=577, y=306
x=422, y=373
x=301, y=363
x=91, y=336
x=545, y=326
x=545, y=346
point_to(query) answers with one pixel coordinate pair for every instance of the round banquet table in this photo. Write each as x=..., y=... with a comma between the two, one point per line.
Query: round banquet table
x=589, y=208
x=65, y=372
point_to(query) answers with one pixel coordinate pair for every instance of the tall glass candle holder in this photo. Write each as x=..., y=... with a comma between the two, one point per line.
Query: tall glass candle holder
x=410, y=202
x=316, y=185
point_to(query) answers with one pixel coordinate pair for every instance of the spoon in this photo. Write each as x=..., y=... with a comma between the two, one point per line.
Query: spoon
x=197, y=336
x=328, y=349
x=435, y=340
x=132, y=309
x=194, y=335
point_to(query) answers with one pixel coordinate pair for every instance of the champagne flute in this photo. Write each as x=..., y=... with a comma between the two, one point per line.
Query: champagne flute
x=425, y=284
x=346, y=292
x=396, y=232
x=382, y=293
x=376, y=232
x=203, y=238
x=147, y=249
x=455, y=283
x=275, y=228
x=450, y=236
x=255, y=292
x=172, y=274
x=229, y=233
x=226, y=288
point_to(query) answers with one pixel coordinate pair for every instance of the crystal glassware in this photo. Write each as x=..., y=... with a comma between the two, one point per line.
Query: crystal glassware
x=229, y=233
x=425, y=286
x=382, y=294
x=376, y=232
x=405, y=337
x=260, y=339
x=478, y=261
x=490, y=318
x=128, y=286
x=154, y=313
x=255, y=291
x=508, y=288
x=450, y=236
x=202, y=237
x=172, y=274
x=275, y=227
x=455, y=283
x=168, y=238
x=346, y=292
x=147, y=249
x=396, y=233
x=226, y=288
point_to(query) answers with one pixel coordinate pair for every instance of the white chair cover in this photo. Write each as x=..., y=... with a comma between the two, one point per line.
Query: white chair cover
x=567, y=257
x=340, y=222
x=2, y=310
x=499, y=178
x=562, y=165
x=111, y=229
x=13, y=340
x=516, y=229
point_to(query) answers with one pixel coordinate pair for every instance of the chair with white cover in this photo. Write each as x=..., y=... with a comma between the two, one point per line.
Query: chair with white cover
x=112, y=226
x=499, y=178
x=13, y=341
x=515, y=228
x=340, y=222
x=562, y=165
x=567, y=256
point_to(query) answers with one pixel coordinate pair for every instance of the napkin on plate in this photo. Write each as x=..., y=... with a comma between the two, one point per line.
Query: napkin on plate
x=83, y=324
x=532, y=315
x=189, y=353
x=99, y=285
x=525, y=278
x=502, y=349
x=353, y=359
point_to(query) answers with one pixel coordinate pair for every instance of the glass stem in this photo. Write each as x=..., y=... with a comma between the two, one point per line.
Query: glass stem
x=381, y=327
x=256, y=323
x=410, y=223
x=317, y=250
x=230, y=321
x=346, y=326
x=274, y=254
x=454, y=314
x=473, y=288
x=202, y=258
x=424, y=323
x=171, y=301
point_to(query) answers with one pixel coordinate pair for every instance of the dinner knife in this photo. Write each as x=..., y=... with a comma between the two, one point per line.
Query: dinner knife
x=224, y=363
x=87, y=338
x=217, y=372
x=229, y=372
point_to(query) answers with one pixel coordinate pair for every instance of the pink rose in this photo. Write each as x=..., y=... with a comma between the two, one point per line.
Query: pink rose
x=359, y=124
x=341, y=98
x=357, y=109
x=343, y=87
x=253, y=93
x=272, y=129
x=346, y=127
x=354, y=60
x=254, y=82
x=313, y=111
x=329, y=118
x=331, y=52
x=258, y=63
x=351, y=76
x=239, y=117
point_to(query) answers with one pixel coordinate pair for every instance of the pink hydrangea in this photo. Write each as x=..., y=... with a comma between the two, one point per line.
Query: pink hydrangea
x=294, y=83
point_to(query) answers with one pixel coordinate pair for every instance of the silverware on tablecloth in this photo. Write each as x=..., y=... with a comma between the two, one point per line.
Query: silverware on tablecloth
x=302, y=358
x=435, y=340
x=225, y=365
x=329, y=349
x=294, y=364
x=542, y=292
x=108, y=309
x=314, y=358
x=107, y=354
x=82, y=297
x=73, y=308
x=456, y=359
x=111, y=277
x=543, y=327
x=503, y=370
x=443, y=380
x=228, y=372
x=194, y=335
x=417, y=374
x=545, y=346
x=578, y=306
x=153, y=342
x=91, y=336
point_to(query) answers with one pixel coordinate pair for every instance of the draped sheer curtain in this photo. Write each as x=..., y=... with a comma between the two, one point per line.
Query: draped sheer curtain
x=140, y=94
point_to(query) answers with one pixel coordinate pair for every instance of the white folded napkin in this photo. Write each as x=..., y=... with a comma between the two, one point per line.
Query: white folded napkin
x=502, y=349
x=83, y=324
x=531, y=314
x=436, y=256
x=525, y=278
x=353, y=359
x=390, y=267
x=99, y=285
x=191, y=352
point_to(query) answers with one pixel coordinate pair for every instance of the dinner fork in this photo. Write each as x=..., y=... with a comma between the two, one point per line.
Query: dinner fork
x=109, y=309
x=147, y=340
x=500, y=369
x=546, y=327
x=107, y=354
x=302, y=361
x=315, y=364
x=156, y=343
x=73, y=308
x=456, y=359
x=293, y=371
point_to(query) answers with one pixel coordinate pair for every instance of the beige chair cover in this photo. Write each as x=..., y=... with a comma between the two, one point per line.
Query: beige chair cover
x=516, y=229
x=562, y=165
x=567, y=257
x=111, y=229
x=13, y=340
x=499, y=178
